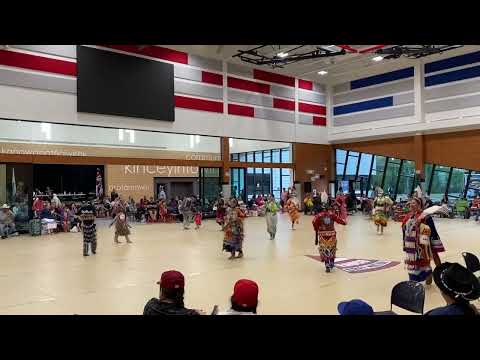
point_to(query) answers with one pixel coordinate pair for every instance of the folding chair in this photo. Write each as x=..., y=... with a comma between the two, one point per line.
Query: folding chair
x=407, y=295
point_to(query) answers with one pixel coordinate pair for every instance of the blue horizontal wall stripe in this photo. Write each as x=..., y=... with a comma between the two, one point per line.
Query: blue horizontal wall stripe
x=382, y=78
x=452, y=62
x=451, y=76
x=363, y=105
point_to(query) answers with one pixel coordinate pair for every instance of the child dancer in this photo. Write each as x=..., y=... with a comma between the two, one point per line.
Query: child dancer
x=198, y=219
x=122, y=228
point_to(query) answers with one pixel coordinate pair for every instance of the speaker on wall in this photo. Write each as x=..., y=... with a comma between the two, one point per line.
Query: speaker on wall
x=116, y=84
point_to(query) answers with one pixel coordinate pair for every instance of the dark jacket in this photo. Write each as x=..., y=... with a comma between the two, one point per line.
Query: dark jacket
x=161, y=308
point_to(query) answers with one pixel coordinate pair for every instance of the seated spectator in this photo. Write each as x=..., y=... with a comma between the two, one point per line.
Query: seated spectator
x=355, y=307
x=56, y=203
x=7, y=222
x=37, y=206
x=172, y=288
x=244, y=300
x=46, y=213
x=459, y=286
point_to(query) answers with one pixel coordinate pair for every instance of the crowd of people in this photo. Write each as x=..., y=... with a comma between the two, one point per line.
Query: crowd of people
x=459, y=288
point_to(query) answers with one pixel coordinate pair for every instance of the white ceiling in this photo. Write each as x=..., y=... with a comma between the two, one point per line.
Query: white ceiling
x=340, y=69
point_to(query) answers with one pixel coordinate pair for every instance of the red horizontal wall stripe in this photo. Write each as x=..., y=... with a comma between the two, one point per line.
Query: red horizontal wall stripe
x=241, y=110
x=212, y=78
x=40, y=63
x=304, y=84
x=318, y=120
x=284, y=104
x=198, y=104
x=248, y=85
x=275, y=78
x=153, y=51
x=313, y=109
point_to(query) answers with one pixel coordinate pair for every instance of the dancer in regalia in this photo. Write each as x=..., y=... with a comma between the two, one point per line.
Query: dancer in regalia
x=122, y=227
x=271, y=209
x=99, y=185
x=381, y=205
x=292, y=208
x=221, y=210
x=421, y=242
x=233, y=239
x=89, y=229
x=325, y=234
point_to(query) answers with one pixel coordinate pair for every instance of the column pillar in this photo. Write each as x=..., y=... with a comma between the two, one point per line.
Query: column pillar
x=225, y=150
x=419, y=151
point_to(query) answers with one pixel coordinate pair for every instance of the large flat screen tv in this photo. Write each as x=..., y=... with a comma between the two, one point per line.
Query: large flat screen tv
x=116, y=84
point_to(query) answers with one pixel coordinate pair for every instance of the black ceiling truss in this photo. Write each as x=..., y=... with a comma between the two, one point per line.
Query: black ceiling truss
x=414, y=51
x=253, y=56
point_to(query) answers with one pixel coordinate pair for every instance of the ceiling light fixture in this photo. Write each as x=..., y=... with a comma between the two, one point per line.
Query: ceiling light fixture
x=377, y=58
x=322, y=72
x=282, y=54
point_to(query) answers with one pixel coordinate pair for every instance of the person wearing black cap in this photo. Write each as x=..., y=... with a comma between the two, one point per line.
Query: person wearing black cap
x=459, y=286
x=170, y=302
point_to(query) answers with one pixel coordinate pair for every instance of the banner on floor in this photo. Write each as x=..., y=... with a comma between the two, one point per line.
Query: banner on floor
x=355, y=266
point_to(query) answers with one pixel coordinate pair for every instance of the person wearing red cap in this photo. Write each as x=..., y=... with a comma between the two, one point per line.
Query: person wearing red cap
x=244, y=300
x=170, y=302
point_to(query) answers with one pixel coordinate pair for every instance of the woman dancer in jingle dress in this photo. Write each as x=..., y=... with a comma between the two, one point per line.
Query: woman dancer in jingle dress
x=233, y=239
x=122, y=228
x=325, y=234
x=292, y=208
x=271, y=209
x=421, y=242
x=380, y=208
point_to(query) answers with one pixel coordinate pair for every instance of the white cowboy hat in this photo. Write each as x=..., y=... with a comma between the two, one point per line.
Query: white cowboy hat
x=5, y=206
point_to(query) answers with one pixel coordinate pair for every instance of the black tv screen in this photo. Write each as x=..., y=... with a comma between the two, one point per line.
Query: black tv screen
x=115, y=84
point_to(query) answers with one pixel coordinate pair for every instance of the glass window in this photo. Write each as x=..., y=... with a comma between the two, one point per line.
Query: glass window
x=267, y=181
x=408, y=168
x=243, y=157
x=458, y=182
x=276, y=183
x=286, y=181
x=352, y=163
x=365, y=163
x=391, y=177
x=340, y=169
x=285, y=155
x=276, y=156
x=474, y=184
x=250, y=157
x=258, y=181
x=258, y=156
x=234, y=157
x=439, y=183
x=341, y=156
x=267, y=156
x=405, y=186
x=428, y=174
x=379, y=163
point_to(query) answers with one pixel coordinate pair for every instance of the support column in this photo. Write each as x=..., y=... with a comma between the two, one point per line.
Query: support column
x=419, y=151
x=225, y=149
x=418, y=91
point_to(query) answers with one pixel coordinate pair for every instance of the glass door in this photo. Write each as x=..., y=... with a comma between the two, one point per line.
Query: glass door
x=210, y=186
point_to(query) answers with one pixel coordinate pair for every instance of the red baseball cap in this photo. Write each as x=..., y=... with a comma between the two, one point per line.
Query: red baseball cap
x=172, y=279
x=245, y=293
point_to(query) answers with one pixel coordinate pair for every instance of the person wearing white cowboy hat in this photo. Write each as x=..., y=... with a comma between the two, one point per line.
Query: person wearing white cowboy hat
x=7, y=222
x=459, y=286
